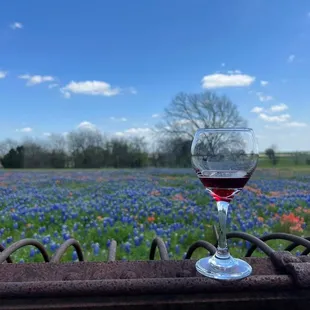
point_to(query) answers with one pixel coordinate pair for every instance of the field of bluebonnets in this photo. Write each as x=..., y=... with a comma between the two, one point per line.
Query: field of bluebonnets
x=133, y=206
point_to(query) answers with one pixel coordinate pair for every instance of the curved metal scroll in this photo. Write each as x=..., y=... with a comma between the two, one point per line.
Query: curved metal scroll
x=163, y=253
x=283, y=236
x=294, y=245
x=8, y=260
x=257, y=243
x=200, y=244
x=4, y=255
x=63, y=248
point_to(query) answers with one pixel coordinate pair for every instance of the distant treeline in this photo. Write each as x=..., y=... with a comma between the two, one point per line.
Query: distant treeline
x=168, y=146
x=90, y=149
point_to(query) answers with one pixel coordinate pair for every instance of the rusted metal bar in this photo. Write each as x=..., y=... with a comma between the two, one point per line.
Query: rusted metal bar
x=278, y=281
x=112, y=251
x=164, y=284
x=294, y=245
x=280, y=236
x=8, y=259
x=5, y=254
x=160, y=244
x=200, y=244
x=64, y=247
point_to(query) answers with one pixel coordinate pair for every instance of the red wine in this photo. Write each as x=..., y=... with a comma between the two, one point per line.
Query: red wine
x=224, y=189
x=223, y=185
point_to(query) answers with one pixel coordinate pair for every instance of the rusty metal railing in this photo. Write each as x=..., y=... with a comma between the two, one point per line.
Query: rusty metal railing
x=158, y=243
x=279, y=280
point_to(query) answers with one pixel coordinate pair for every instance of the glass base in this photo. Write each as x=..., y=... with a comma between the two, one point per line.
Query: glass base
x=223, y=269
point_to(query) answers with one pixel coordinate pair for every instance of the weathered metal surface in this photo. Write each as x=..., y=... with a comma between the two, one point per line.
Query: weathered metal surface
x=280, y=280
x=156, y=284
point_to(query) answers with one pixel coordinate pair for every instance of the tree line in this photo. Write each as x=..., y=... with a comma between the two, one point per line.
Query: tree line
x=89, y=148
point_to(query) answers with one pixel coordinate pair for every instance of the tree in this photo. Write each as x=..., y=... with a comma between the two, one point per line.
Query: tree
x=271, y=154
x=36, y=154
x=14, y=159
x=86, y=148
x=7, y=145
x=189, y=112
x=57, y=146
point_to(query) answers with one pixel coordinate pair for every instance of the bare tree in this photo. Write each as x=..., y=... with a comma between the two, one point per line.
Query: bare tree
x=36, y=154
x=189, y=112
x=85, y=147
x=57, y=142
x=7, y=145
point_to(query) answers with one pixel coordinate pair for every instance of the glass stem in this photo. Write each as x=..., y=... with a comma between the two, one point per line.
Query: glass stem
x=222, y=249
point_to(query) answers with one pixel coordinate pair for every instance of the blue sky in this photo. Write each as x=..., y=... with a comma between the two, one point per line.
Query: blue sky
x=141, y=53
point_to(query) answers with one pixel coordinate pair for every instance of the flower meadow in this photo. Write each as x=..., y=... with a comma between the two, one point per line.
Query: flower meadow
x=134, y=206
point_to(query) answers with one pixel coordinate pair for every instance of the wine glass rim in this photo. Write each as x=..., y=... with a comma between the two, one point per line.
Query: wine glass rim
x=226, y=129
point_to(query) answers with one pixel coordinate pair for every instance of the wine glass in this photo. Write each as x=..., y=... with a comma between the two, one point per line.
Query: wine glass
x=224, y=160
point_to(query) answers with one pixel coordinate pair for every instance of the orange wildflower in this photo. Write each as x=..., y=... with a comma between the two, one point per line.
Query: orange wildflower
x=151, y=219
x=296, y=222
x=178, y=197
x=261, y=219
x=99, y=218
x=155, y=193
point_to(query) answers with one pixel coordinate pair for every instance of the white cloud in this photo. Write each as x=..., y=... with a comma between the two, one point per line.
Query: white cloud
x=264, y=83
x=26, y=129
x=218, y=80
x=296, y=124
x=274, y=119
x=263, y=97
x=94, y=88
x=121, y=119
x=36, y=79
x=278, y=108
x=87, y=125
x=223, y=64
x=257, y=110
x=3, y=74
x=16, y=25
x=291, y=58
x=156, y=115
x=47, y=134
